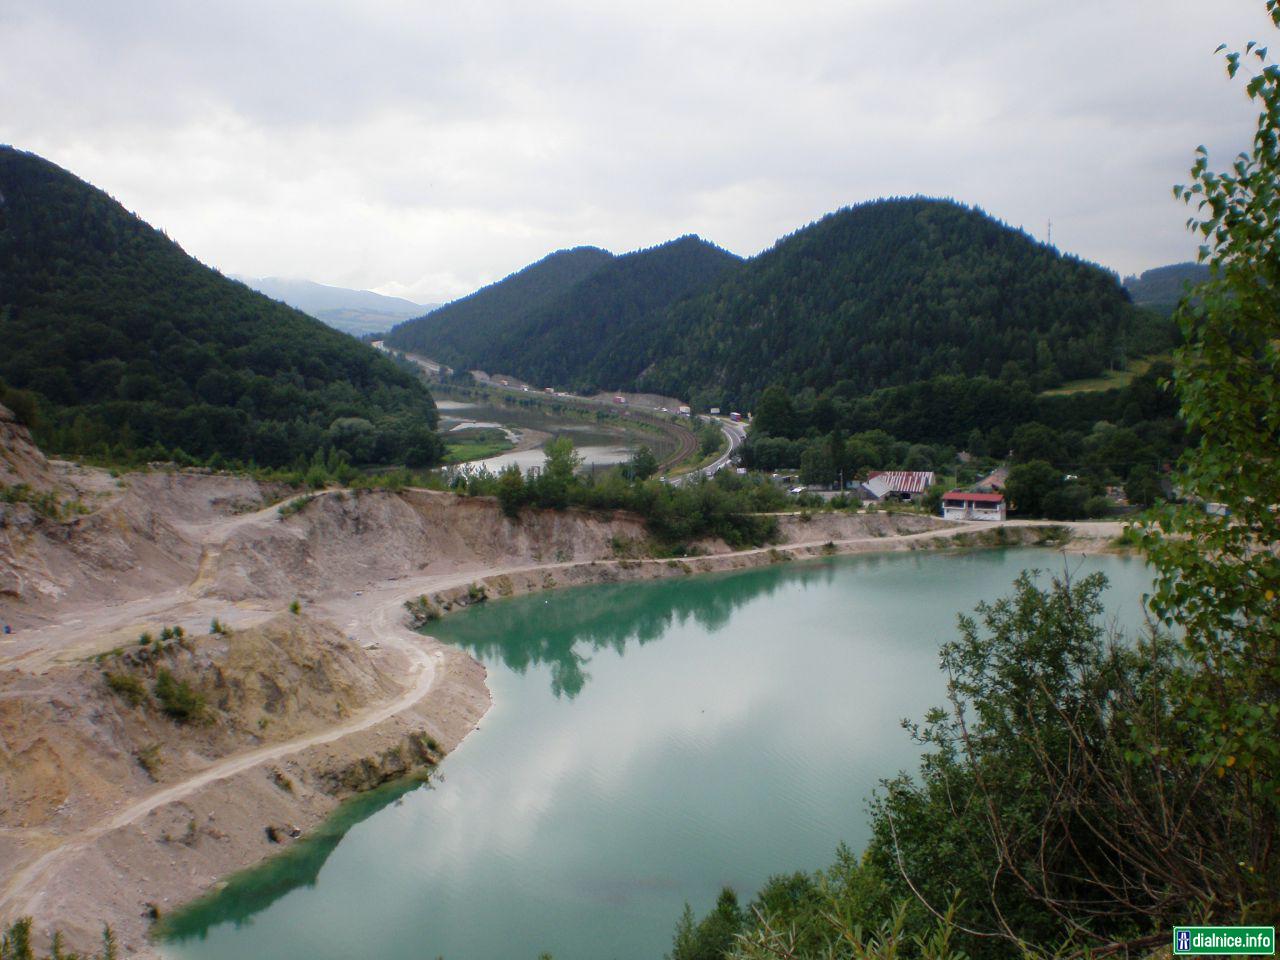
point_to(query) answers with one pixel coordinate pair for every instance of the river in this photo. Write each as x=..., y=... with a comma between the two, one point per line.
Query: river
x=647, y=744
x=599, y=444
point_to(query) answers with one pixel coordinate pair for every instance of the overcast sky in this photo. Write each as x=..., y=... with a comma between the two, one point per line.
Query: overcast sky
x=426, y=148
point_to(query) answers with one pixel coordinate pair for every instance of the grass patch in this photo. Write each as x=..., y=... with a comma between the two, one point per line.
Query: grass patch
x=477, y=444
x=1110, y=380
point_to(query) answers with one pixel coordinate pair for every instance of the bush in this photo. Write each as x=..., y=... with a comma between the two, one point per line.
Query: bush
x=1043, y=802
x=295, y=505
x=23, y=404
x=127, y=687
x=711, y=937
x=422, y=611
x=178, y=699
x=1098, y=506
x=149, y=759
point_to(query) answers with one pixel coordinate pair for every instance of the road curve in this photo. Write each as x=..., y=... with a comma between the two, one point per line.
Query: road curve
x=737, y=435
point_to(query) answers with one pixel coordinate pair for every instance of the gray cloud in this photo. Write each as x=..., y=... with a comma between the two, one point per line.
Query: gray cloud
x=427, y=148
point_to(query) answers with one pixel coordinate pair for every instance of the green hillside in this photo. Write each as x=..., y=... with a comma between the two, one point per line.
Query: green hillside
x=892, y=292
x=462, y=332
x=135, y=349
x=599, y=334
x=882, y=294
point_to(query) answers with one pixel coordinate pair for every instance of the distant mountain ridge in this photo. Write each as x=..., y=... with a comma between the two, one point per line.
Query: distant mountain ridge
x=598, y=334
x=1162, y=288
x=880, y=294
x=460, y=333
x=134, y=349
x=357, y=312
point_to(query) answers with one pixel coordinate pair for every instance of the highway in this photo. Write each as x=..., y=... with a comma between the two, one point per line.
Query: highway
x=736, y=433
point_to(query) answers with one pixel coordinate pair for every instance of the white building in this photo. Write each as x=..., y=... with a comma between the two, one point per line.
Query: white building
x=966, y=505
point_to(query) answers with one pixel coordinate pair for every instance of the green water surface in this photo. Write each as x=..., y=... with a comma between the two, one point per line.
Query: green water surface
x=647, y=744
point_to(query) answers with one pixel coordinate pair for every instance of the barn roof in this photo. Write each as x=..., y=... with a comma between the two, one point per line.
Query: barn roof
x=904, y=481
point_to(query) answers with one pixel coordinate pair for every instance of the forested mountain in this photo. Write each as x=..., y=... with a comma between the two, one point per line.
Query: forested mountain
x=892, y=292
x=882, y=294
x=460, y=332
x=1163, y=287
x=599, y=333
x=353, y=311
x=135, y=349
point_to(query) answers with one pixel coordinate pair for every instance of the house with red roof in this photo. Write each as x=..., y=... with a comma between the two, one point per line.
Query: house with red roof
x=969, y=505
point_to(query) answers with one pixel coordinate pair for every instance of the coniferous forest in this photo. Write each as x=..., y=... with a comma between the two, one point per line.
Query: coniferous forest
x=459, y=332
x=132, y=349
x=579, y=318
x=895, y=291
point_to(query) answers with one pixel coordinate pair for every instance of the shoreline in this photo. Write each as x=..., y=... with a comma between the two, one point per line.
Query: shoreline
x=510, y=583
x=236, y=785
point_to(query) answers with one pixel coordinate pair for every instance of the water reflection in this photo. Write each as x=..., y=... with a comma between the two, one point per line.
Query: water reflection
x=569, y=626
x=297, y=865
x=696, y=739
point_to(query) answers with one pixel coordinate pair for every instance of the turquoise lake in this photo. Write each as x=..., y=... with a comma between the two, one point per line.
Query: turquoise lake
x=647, y=745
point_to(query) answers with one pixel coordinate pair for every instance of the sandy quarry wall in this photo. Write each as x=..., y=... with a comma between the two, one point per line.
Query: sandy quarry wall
x=821, y=527
x=358, y=538
x=70, y=746
x=142, y=535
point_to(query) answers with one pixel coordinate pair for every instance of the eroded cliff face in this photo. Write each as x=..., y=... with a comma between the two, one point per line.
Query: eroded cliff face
x=110, y=539
x=357, y=538
x=81, y=737
x=225, y=538
x=95, y=724
x=21, y=461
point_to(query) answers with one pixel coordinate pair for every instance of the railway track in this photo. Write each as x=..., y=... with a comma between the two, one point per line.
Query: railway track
x=688, y=444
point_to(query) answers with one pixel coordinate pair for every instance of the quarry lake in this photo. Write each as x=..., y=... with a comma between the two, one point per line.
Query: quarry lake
x=647, y=745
